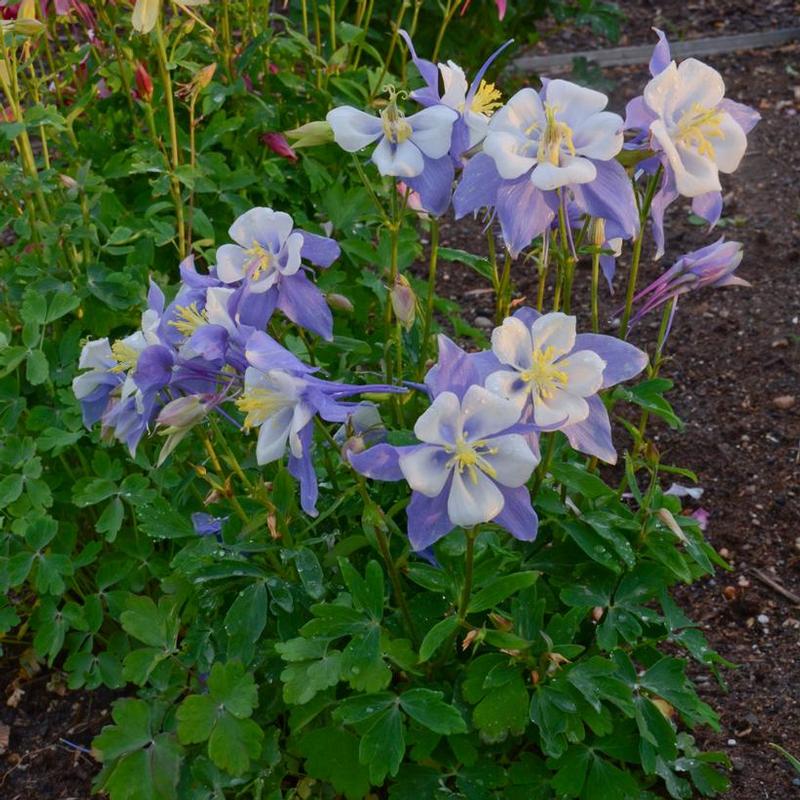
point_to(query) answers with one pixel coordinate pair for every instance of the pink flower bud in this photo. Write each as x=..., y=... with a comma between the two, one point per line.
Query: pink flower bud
x=144, y=83
x=404, y=302
x=278, y=144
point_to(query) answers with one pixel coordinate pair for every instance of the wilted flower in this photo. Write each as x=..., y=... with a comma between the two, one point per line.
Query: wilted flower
x=712, y=265
x=267, y=262
x=473, y=461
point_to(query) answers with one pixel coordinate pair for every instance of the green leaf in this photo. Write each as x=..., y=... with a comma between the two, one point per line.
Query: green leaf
x=579, y=480
x=245, y=621
x=302, y=680
x=62, y=303
x=131, y=730
x=37, y=369
x=427, y=707
x=437, y=636
x=383, y=745
x=233, y=688
x=150, y=774
x=110, y=521
x=89, y=492
x=234, y=743
x=196, y=717
x=594, y=545
x=310, y=573
x=499, y=589
x=10, y=489
x=572, y=769
x=607, y=782
x=332, y=755
x=476, y=263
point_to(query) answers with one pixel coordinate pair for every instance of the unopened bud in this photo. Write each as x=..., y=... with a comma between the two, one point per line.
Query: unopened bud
x=535, y=677
x=500, y=622
x=665, y=515
x=204, y=77
x=183, y=413
x=27, y=27
x=597, y=613
x=144, y=83
x=339, y=302
x=404, y=302
x=67, y=182
x=469, y=638
x=598, y=231
x=311, y=134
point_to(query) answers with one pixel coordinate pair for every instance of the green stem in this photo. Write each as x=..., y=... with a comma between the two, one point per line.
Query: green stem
x=429, y=300
x=398, y=23
x=595, y=291
x=544, y=465
x=452, y=7
x=633, y=275
x=469, y=562
x=567, y=268
x=544, y=267
x=504, y=292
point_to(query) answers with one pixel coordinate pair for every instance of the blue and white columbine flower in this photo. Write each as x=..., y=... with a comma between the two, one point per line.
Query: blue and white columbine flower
x=548, y=148
x=553, y=375
x=472, y=463
x=694, y=129
x=266, y=263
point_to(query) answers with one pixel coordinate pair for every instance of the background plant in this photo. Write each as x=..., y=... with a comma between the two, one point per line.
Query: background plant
x=267, y=659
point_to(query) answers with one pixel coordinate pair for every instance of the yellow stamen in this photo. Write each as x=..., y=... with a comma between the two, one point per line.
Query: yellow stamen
x=556, y=134
x=125, y=356
x=260, y=260
x=486, y=99
x=189, y=319
x=260, y=404
x=471, y=456
x=699, y=124
x=544, y=375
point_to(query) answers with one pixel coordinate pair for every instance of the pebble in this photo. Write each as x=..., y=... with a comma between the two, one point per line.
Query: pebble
x=784, y=402
x=780, y=343
x=763, y=619
x=731, y=742
x=483, y=322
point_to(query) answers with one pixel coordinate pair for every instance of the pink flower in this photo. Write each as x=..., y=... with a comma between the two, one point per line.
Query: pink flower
x=501, y=8
x=278, y=144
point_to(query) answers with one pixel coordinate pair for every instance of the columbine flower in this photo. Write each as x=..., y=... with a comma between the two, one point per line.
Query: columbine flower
x=695, y=130
x=281, y=399
x=267, y=261
x=178, y=417
x=553, y=375
x=538, y=143
x=712, y=265
x=475, y=102
x=207, y=525
x=93, y=387
x=473, y=461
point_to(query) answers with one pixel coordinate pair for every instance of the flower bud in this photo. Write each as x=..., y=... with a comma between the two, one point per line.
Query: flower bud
x=278, y=144
x=311, y=134
x=404, y=302
x=665, y=515
x=28, y=27
x=67, y=182
x=204, y=77
x=183, y=413
x=144, y=83
x=339, y=302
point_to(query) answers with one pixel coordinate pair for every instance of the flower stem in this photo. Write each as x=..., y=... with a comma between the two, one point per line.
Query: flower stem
x=429, y=300
x=544, y=465
x=452, y=7
x=469, y=562
x=544, y=265
x=633, y=275
x=504, y=291
x=595, y=291
x=404, y=6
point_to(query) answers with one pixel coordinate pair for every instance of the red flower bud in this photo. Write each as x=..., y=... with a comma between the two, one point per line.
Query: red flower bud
x=278, y=144
x=144, y=83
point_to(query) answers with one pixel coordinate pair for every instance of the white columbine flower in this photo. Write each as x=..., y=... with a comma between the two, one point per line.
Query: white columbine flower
x=556, y=135
x=403, y=142
x=460, y=439
x=542, y=367
x=273, y=402
x=698, y=137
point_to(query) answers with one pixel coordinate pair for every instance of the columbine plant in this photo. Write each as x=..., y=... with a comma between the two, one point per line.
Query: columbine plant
x=348, y=557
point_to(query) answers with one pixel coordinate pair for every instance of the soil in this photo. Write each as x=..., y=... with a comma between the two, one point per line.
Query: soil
x=736, y=365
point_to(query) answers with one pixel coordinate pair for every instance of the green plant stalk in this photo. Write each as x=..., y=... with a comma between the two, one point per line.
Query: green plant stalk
x=567, y=268
x=365, y=29
x=166, y=82
x=304, y=13
x=544, y=268
x=317, y=39
x=450, y=11
x=503, y=304
x=227, y=42
x=595, y=291
x=633, y=275
x=398, y=23
x=544, y=464
x=469, y=564
x=429, y=300
x=332, y=10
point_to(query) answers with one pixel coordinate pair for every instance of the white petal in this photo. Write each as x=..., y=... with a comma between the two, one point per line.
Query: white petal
x=562, y=406
x=661, y=92
x=403, y=160
x=513, y=461
x=485, y=413
x=584, y=371
x=698, y=84
x=424, y=470
x=471, y=503
x=521, y=113
x=477, y=125
x=432, y=130
x=231, y=263
x=273, y=435
x=294, y=245
x=572, y=170
x=694, y=174
x=261, y=225
x=554, y=330
x=85, y=383
x=600, y=136
x=217, y=299
x=302, y=415
x=510, y=153
x=353, y=129
x=510, y=386
x=511, y=343
x=573, y=103
x=729, y=150
x=441, y=423
x=96, y=354
x=455, y=85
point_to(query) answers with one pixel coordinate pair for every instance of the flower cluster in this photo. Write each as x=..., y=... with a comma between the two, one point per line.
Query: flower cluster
x=479, y=439
x=208, y=348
